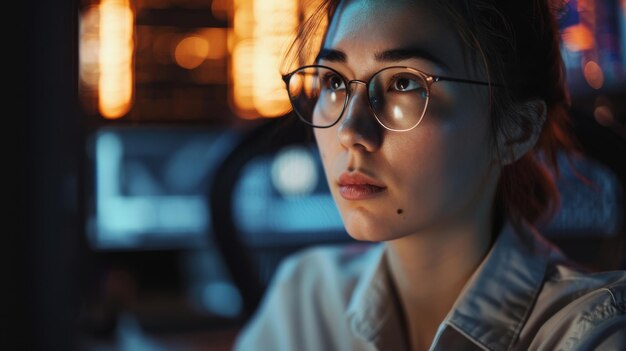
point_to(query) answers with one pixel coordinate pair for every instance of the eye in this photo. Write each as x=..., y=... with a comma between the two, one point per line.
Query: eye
x=404, y=84
x=332, y=82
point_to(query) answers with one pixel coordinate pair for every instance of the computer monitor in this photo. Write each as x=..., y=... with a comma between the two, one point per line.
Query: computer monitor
x=148, y=185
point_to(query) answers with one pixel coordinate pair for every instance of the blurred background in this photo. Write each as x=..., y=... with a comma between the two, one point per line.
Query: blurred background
x=164, y=178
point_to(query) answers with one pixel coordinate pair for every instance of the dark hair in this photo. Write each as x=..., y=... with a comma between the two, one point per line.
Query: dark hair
x=517, y=42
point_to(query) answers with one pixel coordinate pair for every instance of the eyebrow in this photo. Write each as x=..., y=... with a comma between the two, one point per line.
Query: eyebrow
x=391, y=55
x=331, y=55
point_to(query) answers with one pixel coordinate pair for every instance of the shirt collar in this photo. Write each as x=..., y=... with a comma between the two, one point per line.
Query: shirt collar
x=496, y=302
x=373, y=310
x=490, y=311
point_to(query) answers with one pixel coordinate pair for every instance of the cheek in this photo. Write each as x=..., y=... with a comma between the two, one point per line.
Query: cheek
x=446, y=166
x=327, y=143
x=460, y=133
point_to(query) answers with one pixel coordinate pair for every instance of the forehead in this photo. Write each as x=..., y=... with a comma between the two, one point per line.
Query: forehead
x=364, y=27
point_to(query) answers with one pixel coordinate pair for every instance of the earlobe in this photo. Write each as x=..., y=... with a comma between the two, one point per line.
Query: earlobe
x=523, y=133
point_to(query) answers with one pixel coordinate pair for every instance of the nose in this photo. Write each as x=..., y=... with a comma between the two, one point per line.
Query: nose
x=358, y=127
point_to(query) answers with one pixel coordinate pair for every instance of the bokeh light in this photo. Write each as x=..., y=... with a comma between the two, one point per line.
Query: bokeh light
x=261, y=32
x=294, y=172
x=603, y=111
x=578, y=38
x=89, y=47
x=593, y=74
x=115, y=85
x=191, y=51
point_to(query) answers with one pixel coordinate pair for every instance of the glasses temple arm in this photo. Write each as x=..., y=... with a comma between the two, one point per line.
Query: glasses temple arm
x=469, y=81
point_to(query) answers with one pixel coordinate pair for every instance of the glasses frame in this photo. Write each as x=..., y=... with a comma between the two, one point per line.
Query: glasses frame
x=430, y=79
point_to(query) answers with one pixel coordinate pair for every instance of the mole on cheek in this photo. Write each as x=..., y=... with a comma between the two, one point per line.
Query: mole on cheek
x=399, y=211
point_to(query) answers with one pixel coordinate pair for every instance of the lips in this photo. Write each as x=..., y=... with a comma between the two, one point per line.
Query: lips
x=358, y=186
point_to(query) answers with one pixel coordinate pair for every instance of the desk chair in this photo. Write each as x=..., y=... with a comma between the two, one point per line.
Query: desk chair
x=269, y=199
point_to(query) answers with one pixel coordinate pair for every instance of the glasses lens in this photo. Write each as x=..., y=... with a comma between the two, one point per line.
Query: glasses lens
x=398, y=97
x=318, y=95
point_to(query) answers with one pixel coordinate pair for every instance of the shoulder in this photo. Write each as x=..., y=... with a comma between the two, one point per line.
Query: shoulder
x=304, y=306
x=319, y=274
x=580, y=310
x=327, y=263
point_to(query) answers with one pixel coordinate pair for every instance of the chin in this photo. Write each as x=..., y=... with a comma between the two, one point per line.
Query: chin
x=366, y=228
x=372, y=236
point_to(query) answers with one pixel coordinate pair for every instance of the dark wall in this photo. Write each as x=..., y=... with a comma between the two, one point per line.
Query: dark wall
x=43, y=298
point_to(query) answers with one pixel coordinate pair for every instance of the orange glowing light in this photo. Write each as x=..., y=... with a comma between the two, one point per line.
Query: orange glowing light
x=593, y=74
x=217, y=42
x=578, y=37
x=603, y=115
x=89, y=47
x=191, y=52
x=115, y=86
x=315, y=41
x=261, y=33
x=242, y=84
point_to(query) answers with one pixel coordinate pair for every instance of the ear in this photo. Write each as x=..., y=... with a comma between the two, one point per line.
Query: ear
x=522, y=133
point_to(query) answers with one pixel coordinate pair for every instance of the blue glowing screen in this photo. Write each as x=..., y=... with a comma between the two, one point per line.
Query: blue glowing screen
x=150, y=185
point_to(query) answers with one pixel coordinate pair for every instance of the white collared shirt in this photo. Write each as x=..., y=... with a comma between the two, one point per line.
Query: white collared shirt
x=525, y=295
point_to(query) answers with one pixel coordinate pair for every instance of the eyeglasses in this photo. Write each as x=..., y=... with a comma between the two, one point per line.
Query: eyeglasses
x=398, y=96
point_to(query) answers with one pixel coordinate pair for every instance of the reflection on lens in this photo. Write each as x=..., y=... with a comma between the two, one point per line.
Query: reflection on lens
x=398, y=97
x=329, y=108
x=295, y=85
x=397, y=113
x=318, y=95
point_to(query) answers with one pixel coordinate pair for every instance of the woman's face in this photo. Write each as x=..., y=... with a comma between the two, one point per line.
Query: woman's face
x=391, y=184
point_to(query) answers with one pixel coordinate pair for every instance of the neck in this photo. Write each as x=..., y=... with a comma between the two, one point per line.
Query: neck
x=429, y=270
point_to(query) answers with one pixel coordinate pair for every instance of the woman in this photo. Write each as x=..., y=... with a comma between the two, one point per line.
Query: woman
x=438, y=124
